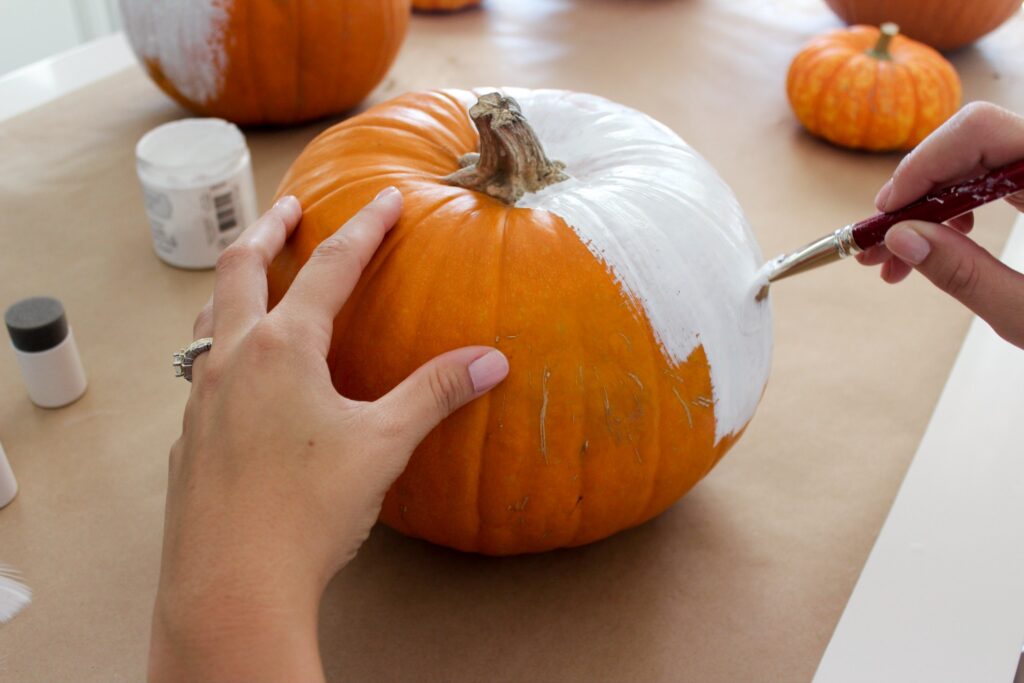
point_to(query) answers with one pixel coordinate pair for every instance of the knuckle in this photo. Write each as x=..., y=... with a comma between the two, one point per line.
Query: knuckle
x=205, y=379
x=176, y=456
x=962, y=280
x=980, y=116
x=389, y=427
x=203, y=320
x=235, y=256
x=267, y=338
x=336, y=248
x=446, y=388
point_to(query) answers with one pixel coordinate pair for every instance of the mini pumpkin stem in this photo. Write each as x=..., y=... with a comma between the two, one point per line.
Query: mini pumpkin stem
x=889, y=31
x=511, y=161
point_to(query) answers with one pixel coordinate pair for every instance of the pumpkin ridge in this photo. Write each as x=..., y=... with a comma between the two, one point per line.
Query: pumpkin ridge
x=864, y=130
x=483, y=460
x=945, y=84
x=342, y=133
x=826, y=83
x=419, y=327
x=299, y=60
x=654, y=422
x=313, y=202
x=254, y=75
x=912, y=133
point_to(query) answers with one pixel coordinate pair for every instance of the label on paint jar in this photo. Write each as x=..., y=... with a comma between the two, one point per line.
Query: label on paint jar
x=191, y=227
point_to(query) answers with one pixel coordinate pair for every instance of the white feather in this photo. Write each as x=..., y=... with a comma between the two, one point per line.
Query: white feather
x=14, y=595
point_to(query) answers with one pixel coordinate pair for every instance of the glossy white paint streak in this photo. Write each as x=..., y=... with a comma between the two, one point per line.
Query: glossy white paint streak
x=670, y=231
x=185, y=38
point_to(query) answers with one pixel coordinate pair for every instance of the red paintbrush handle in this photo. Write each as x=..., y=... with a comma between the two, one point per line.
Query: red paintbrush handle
x=944, y=205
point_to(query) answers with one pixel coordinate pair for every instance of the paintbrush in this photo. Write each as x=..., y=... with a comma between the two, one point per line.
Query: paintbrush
x=14, y=595
x=937, y=207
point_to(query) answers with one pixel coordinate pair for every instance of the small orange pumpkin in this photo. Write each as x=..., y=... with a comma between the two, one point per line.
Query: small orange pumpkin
x=866, y=88
x=940, y=23
x=265, y=61
x=614, y=275
x=443, y=5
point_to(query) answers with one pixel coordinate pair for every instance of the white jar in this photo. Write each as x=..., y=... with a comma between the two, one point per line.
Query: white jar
x=196, y=177
x=45, y=348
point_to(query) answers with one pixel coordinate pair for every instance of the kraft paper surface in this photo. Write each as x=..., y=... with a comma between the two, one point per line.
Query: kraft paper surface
x=743, y=580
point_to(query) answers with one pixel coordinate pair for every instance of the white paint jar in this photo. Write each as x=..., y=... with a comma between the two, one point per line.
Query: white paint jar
x=8, y=484
x=196, y=177
x=45, y=348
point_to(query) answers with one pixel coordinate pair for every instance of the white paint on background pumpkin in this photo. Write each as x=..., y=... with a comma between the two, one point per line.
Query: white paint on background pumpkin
x=186, y=38
x=669, y=229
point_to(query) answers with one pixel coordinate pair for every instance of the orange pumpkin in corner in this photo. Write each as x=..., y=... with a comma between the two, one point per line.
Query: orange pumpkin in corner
x=869, y=88
x=943, y=24
x=265, y=61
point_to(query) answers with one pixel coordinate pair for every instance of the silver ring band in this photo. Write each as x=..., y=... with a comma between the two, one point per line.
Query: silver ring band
x=184, y=359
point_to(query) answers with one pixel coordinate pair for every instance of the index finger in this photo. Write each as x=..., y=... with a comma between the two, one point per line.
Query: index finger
x=325, y=282
x=979, y=138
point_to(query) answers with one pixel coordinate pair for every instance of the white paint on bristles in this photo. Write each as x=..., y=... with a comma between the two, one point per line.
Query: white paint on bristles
x=668, y=228
x=185, y=38
x=14, y=595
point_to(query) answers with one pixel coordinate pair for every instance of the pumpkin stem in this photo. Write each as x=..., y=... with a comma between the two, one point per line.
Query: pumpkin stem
x=889, y=31
x=511, y=161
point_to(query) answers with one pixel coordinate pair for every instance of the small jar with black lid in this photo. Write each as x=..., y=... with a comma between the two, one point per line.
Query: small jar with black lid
x=46, y=351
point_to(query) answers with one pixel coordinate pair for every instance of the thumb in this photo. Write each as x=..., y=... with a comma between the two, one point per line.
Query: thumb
x=958, y=266
x=440, y=387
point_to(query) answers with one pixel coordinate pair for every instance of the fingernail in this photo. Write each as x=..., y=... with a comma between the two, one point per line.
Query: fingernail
x=883, y=195
x=386, y=192
x=907, y=244
x=288, y=203
x=487, y=370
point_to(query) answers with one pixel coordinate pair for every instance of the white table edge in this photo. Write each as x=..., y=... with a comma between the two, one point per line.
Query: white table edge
x=867, y=631
x=941, y=596
x=36, y=84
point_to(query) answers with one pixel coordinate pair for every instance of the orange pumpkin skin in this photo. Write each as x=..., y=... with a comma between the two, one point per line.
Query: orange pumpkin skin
x=443, y=5
x=593, y=431
x=942, y=24
x=851, y=98
x=267, y=62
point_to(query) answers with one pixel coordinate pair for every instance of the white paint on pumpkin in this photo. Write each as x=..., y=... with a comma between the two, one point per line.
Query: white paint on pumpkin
x=669, y=229
x=186, y=38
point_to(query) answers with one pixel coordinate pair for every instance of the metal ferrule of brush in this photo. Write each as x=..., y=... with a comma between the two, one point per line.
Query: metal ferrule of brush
x=828, y=249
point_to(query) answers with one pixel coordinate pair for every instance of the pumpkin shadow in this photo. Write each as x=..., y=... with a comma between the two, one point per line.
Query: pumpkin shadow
x=408, y=610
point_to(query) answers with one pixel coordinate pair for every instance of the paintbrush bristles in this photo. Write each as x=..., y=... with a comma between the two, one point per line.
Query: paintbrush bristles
x=14, y=595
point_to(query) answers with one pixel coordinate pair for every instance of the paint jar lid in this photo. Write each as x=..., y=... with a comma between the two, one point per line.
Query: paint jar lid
x=36, y=324
x=190, y=152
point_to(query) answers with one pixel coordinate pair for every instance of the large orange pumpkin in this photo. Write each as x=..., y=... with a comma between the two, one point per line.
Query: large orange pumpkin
x=599, y=252
x=265, y=61
x=943, y=24
x=871, y=89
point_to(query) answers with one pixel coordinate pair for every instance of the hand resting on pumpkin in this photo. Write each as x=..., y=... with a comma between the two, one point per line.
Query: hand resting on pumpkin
x=980, y=137
x=277, y=479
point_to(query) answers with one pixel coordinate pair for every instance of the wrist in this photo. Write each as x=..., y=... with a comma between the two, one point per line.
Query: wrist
x=251, y=628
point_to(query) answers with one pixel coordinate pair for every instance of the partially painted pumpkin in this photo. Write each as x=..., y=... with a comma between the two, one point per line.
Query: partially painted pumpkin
x=265, y=61
x=598, y=251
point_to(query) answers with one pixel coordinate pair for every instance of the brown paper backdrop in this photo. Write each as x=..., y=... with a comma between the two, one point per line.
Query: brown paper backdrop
x=742, y=580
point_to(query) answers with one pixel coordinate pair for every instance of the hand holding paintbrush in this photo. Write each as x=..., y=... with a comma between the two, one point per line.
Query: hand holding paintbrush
x=975, y=158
